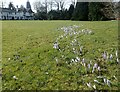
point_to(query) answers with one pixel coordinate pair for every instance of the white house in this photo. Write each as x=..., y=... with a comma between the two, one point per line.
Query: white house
x=17, y=13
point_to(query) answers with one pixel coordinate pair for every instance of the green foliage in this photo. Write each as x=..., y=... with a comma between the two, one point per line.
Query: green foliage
x=95, y=12
x=54, y=15
x=40, y=16
x=81, y=11
x=70, y=11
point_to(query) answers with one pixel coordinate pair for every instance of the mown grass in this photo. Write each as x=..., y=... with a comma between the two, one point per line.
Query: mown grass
x=28, y=54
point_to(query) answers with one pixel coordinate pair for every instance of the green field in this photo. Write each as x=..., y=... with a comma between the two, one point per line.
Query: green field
x=31, y=63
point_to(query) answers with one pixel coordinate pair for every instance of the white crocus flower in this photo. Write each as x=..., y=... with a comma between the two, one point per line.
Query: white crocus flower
x=72, y=60
x=81, y=48
x=84, y=64
x=96, y=81
x=111, y=56
x=56, y=60
x=108, y=82
x=95, y=65
x=105, y=80
x=94, y=86
x=115, y=77
x=116, y=53
x=98, y=68
x=56, y=46
x=9, y=59
x=93, y=70
x=73, y=49
x=117, y=60
x=78, y=58
x=14, y=77
x=83, y=60
x=100, y=77
x=89, y=85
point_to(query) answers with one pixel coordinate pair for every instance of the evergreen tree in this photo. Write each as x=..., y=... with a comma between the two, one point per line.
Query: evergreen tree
x=95, y=11
x=70, y=11
x=11, y=6
x=81, y=11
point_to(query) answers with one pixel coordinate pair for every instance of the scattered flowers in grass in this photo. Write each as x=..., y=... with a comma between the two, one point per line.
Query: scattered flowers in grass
x=75, y=51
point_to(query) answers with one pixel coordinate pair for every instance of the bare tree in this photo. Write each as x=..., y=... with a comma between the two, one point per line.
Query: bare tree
x=2, y=3
x=51, y=4
x=108, y=10
x=37, y=5
x=117, y=9
x=41, y=6
x=57, y=4
x=45, y=4
x=73, y=2
x=60, y=4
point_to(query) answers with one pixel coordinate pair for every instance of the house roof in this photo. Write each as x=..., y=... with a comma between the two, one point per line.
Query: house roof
x=7, y=10
x=19, y=10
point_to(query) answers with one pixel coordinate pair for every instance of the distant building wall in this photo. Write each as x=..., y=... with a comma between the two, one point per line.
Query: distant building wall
x=17, y=14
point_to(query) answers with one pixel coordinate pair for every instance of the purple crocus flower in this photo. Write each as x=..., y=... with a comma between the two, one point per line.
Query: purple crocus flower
x=104, y=55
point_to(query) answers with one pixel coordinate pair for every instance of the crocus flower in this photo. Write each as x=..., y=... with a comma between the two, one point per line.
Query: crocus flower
x=115, y=77
x=83, y=60
x=117, y=60
x=96, y=81
x=108, y=82
x=73, y=49
x=81, y=48
x=56, y=60
x=95, y=65
x=93, y=70
x=88, y=66
x=116, y=53
x=72, y=60
x=104, y=55
x=78, y=58
x=9, y=59
x=111, y=56
x=56, y=46
x=14, y=77
x=89, y=85
x=98, y=68
x=84, y=64
x=105, y=80
x=94, y=86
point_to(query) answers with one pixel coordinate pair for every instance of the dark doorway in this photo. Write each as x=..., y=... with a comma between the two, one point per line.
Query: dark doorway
x=12, y=18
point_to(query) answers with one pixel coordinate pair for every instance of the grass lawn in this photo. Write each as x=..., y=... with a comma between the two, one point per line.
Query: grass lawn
x=29, y=59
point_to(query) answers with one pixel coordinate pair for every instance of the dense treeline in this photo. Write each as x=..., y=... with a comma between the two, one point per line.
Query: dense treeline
x=82, y=11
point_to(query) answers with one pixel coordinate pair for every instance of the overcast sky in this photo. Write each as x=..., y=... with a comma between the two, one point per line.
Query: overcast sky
x=23, y=2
